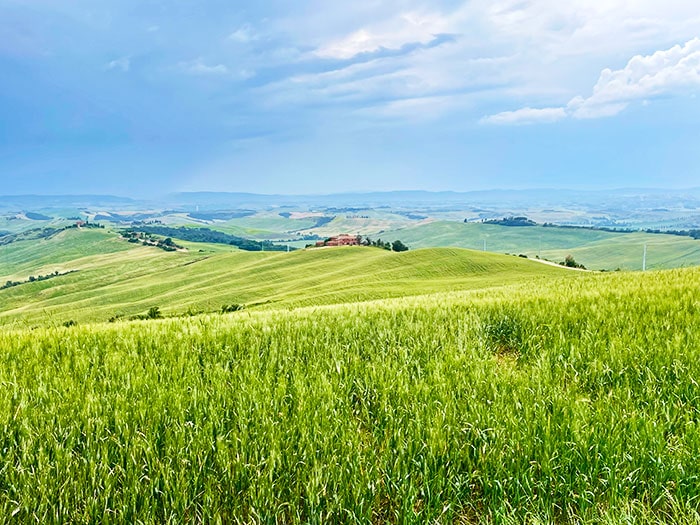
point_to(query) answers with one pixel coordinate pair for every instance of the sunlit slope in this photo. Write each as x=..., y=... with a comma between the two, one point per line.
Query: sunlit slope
x=128, y=283
x=626, y=252
x=20, y=259
x=595, y=249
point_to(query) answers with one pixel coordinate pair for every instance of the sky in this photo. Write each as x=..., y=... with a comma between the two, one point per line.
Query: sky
x=144, y=97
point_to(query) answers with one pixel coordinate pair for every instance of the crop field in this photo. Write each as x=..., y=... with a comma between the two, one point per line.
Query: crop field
x=264, y=225
x=597, y=250
x=270, y=225
x=126, y=280
x=576, y=401
x=19, y=259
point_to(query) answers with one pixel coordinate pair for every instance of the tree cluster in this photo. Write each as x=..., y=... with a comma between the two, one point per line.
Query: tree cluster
x=510, y=221
x=85, y=224
x=209, y=236
x=570, y=262
x=694, y=234
x=396, y=246
x=147, y=239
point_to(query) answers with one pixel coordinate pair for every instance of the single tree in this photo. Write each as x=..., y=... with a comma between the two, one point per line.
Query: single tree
x=398, y=246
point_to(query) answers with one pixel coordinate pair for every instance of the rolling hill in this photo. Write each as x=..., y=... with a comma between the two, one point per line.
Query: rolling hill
x=596, y=249
x=559, y=400
x=111, y=278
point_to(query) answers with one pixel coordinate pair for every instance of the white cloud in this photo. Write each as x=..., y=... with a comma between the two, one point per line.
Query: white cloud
x=198, y=67
x=123, y=64
x=503, y=51
x=668, y=72
x=672, y=71
x=243, y=34
x=406, y=28
x=526, y=116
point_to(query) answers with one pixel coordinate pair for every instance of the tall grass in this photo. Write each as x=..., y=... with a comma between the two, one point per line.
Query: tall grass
x=575, y=403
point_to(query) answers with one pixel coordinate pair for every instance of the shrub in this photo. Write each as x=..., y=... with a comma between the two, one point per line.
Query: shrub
x=570, y=262
x=228, y=308
x=153, y=313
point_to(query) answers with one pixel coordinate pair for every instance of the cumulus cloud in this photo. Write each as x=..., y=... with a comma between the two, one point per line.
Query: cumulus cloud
x=668, y=72
x=672, y=71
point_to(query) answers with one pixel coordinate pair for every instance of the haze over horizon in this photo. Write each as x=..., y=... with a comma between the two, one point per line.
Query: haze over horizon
x=133, y=98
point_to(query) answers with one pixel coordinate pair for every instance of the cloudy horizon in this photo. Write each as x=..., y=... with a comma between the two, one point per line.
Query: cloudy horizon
x=131, y=97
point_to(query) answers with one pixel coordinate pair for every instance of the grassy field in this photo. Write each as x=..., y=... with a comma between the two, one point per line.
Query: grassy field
x=572, y=400
x=597, y=250
x=13, y=224
x=271, y=225
x=124, y=280
x=20, y=259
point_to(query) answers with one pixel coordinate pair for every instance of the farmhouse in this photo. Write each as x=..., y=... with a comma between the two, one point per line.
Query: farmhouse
x=341, y=240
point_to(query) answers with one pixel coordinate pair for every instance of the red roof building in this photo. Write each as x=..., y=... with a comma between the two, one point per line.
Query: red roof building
x=341, y=240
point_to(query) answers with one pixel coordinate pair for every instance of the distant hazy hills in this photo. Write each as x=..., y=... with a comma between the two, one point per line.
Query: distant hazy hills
x=644, y=197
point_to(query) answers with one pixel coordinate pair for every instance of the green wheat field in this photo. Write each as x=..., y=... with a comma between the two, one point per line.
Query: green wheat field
x=354, y=386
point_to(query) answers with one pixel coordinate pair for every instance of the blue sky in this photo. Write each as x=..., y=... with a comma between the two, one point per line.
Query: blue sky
x=150, y=96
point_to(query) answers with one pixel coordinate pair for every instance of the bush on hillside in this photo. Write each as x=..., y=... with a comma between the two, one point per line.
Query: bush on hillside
x=228, y=308
x=570, y=262
x=398, y=246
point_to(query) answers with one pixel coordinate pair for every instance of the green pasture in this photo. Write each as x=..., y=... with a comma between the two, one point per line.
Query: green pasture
x=599, y=250
x=135, y=278
x=20, y=259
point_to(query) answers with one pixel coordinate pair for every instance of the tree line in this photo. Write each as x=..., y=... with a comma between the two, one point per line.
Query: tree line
x=395, y=246
x=209, y=236
x=33, y=279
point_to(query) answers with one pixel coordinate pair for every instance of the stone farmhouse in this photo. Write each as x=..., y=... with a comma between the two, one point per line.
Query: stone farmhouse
x=341, y=240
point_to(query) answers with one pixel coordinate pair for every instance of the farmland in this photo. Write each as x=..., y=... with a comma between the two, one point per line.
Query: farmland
x=595, y=249
x=364, y=263
x=351, y=385
x=572, y=401
x=420, y=220
x=126, y=280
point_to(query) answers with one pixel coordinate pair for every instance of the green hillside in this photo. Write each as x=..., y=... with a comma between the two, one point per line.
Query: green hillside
x=271, y=225
x=126, y=281
x=595, y=249
x=20, y=259
x=563, y=401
